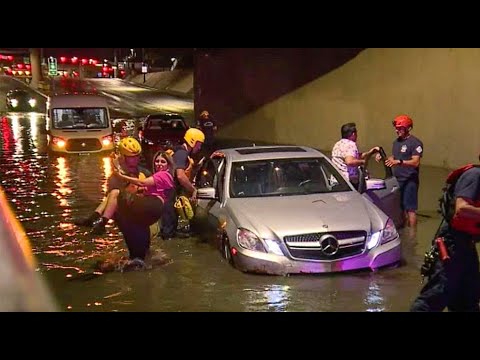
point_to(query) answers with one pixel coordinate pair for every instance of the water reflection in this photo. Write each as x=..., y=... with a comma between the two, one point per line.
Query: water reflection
x=17, y=138
x=374, y=299
x=63, y=190
x=34, y=131
x=272, y=297
x=107, y=172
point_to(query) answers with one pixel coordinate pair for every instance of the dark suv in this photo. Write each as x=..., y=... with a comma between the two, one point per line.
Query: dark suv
x=21, y=100
x=160, y=132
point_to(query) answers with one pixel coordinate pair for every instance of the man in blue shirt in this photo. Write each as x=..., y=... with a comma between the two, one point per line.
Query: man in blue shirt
x=405, y=160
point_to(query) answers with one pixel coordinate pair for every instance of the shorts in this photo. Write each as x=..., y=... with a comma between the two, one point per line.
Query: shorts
x=409, y=193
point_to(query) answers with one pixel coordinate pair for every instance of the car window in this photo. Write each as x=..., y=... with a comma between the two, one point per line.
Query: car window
x=212, y=174
x=207, y=175
x=167, y=125
x=18, y=94
x=285, y=177
x=80, y=118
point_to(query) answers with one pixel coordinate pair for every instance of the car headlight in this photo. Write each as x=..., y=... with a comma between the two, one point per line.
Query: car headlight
x=14, y=102
x=373, y=240
x=273, y=247
x=32, y=102
x=389, y=233
x=248, y=240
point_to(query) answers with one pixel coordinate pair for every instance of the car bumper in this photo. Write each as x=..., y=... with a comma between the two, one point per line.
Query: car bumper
x=256, y=262
x=63, y=149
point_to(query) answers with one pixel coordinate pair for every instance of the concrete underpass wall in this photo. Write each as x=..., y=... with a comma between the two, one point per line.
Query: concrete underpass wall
x=232, y=82
x=179, y=82
x=438, y=88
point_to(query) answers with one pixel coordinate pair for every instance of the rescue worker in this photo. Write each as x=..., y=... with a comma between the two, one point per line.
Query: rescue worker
x=407, y=150
x=129, y=150
x=345, y=154
x=193, y=141
x=208, y=126
x=454, y=282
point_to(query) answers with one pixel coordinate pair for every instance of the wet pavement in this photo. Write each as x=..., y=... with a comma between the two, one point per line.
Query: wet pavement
x=48, y=192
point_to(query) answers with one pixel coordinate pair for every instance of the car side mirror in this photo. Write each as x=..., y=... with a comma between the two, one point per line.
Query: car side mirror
x=208, y=193
x=376, y=184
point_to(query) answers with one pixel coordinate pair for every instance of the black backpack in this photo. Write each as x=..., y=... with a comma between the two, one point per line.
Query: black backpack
x=447, y=200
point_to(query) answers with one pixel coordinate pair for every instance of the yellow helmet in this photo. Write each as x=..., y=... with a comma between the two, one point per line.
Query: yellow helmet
x=129, y=146
x=193, y=135
x=184, y=208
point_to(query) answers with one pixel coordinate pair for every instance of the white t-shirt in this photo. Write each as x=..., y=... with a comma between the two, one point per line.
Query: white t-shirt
x=341, y=150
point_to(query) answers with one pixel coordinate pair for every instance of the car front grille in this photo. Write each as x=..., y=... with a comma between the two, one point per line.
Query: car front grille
x=309, y=246
x=83, y=145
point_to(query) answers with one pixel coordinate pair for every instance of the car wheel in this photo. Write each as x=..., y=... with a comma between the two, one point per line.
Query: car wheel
x=227, y=251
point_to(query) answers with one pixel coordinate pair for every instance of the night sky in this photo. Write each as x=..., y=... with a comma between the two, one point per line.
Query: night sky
x=108, y=52
x=81, y=52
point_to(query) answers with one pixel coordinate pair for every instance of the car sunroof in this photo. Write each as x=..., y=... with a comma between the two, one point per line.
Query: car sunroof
x=269, y=150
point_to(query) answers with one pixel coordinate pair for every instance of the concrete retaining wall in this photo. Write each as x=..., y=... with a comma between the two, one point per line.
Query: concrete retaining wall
x=178, y=82
x=438, y=88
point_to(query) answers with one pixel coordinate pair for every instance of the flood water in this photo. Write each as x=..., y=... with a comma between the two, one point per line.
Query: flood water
x=48, y=192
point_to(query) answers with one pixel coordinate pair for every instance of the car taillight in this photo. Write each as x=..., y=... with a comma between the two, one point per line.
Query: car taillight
x=107, y=140
x=59, y=142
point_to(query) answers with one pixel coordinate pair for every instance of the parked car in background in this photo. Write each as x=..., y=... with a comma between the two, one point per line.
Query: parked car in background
x=287, y=209
x=161, y=131
x=22, y=101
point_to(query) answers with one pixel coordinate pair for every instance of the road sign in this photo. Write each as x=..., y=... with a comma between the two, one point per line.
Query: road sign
x=52, y=66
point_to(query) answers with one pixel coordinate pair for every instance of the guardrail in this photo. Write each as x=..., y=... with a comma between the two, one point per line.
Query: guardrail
x=21, y=286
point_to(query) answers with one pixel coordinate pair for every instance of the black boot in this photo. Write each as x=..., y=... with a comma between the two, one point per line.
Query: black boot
x=88, y=221
x=99, y=226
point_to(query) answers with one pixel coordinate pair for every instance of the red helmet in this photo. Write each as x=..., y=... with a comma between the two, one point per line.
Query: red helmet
x=403, y=121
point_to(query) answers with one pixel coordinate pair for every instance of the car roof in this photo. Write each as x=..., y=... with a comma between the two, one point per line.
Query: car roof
x=270, y=152
x=164, y=116
x=77, y=100
x=17, y=91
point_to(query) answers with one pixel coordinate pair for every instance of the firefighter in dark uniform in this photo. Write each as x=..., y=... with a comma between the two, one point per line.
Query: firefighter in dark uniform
x=454, y=281
x=209, y=127
x=193, y=141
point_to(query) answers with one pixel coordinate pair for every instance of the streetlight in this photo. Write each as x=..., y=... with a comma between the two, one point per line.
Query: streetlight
x=174, y=63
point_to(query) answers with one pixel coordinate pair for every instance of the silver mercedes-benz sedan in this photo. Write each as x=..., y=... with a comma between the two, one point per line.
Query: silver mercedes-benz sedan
x=287, y=209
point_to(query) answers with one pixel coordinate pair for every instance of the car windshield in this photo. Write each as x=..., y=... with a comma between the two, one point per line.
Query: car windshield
x=282, y=177
x=80, y=118
x=166, y=124
x=18, y=94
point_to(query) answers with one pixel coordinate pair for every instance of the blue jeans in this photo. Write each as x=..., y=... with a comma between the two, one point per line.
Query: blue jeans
x=170, y=217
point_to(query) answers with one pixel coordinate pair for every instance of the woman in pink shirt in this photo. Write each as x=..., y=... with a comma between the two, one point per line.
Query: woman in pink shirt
x=141, y=211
